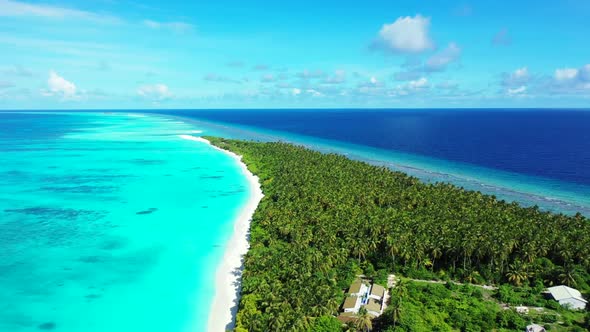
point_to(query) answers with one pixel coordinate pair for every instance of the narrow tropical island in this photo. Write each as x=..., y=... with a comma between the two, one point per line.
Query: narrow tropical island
x=340, y=245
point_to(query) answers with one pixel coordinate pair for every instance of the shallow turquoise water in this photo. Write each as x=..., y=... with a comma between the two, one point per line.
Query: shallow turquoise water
x=110, y=222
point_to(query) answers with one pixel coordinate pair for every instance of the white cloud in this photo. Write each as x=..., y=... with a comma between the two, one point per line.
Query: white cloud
x=572, y=80
x=418, y=84
x=517, y=91
x=563, y=81
x=406, y=35
x=154, y=91
x=178, y=27
x=303, y=92
x=442, y=59
x=518, y=82
x=372, y=84
x=314, y=93
x=566, y=74
x=519, y=77
x=59, y=86
x=9, y=8
x=411, y=87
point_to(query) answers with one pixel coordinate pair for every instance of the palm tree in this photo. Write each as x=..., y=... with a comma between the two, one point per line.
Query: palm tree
x=363, y=321
x=517, y=273
x=392, y=248
x=322, y=212
x=400, y=290
x=398, y=294
x=436, y=253
x=568, y=275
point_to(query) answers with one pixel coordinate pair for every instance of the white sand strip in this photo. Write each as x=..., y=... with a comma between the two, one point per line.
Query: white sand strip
x=228, y=275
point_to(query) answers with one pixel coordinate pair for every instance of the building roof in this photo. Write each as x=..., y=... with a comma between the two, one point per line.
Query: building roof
x=346, y=317
x=350, y=302
x=378, y=290
x=355, y=287
x=535, y=328
x=563, y=292
x=373, y=305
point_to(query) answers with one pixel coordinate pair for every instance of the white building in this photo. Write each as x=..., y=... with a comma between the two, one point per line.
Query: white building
x=377, y=292
x=535, y=328
x=352, y=304
x=358, y=288
x=373, y=307
x=568, y=297
x=363, y=294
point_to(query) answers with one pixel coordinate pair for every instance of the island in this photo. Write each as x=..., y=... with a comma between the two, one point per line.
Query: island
x=440, y=258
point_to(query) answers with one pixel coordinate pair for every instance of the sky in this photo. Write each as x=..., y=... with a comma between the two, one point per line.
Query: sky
x=105, y=54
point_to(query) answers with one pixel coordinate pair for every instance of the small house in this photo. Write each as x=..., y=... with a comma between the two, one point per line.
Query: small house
x=361, y=293
x=358, y=288
x=568, y=297
x=373, y=308
x=351, y=304
x=535, y=328
x=377, y=292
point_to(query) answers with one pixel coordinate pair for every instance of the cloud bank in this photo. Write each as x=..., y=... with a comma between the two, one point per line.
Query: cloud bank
x=156, y=92
x=9, y=8
x=405, y=35
x=60, y=87
x=441, y=60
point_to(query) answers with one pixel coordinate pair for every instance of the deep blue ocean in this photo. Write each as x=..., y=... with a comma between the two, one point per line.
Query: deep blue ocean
x=548, y=143
x=532, y=156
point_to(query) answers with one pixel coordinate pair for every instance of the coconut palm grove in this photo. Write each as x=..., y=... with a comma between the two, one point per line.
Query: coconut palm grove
x=465, y=261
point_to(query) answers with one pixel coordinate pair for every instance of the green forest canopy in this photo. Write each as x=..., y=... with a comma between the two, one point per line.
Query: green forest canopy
x=324, y=217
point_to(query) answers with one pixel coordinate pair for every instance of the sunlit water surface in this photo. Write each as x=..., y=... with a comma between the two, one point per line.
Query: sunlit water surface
x=110, y=222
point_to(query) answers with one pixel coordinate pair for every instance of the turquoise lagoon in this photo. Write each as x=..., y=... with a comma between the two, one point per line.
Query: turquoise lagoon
x=111, y=222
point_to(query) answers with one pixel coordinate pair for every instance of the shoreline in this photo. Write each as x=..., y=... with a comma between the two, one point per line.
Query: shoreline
x=549, y=195
x=228, y=275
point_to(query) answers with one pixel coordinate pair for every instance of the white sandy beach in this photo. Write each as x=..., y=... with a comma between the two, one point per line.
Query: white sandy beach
x=227, y=288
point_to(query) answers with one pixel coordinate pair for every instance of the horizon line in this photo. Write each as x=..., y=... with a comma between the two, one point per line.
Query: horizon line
x=289, y=109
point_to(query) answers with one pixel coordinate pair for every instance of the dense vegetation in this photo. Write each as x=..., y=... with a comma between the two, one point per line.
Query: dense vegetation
x=451, y=307
x=325, y=218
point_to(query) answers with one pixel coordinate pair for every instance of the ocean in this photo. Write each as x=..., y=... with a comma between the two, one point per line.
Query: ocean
x=111, y=222
x=532, y=156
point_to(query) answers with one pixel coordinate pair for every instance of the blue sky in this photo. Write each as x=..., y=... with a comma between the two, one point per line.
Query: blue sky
x=257, y=54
